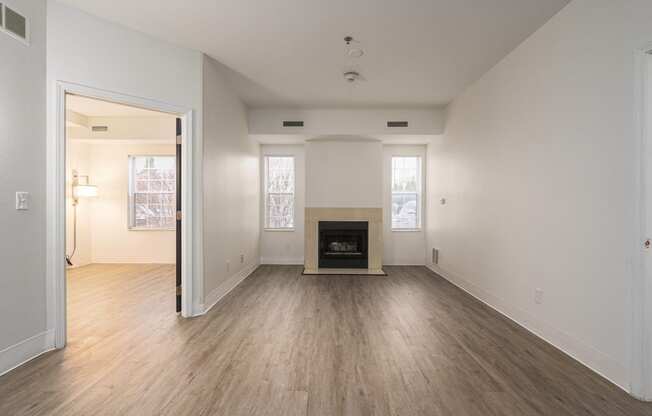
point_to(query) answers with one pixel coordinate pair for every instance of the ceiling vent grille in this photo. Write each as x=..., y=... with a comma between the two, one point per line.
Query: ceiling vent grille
x=397, y=124
x=14, y=23
x=293, y=124
x=99, y=128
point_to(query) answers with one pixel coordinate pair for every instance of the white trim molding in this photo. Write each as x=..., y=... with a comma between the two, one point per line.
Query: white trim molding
x=585, y=354
x=26, y=350
x=641, y=302
x=226, y=287
x=56, y=202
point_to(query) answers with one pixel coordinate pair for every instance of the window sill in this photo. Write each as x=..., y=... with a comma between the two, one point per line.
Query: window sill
x=406, y=230
x=280, y=230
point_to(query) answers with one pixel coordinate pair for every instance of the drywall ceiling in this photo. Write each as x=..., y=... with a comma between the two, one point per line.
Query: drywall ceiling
x=90, y=107
x=290, y=52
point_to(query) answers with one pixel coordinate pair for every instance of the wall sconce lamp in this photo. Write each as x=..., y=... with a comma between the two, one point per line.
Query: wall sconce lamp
x=81, y=188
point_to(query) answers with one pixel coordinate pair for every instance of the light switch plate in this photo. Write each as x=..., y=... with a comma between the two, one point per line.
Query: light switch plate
x=22, y=201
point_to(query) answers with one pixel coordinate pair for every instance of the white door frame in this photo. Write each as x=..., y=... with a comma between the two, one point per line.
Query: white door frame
x=641, y=360
x=56, y=200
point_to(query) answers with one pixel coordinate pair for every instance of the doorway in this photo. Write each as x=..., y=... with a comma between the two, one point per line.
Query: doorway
x=136, y=200
x=122, y=228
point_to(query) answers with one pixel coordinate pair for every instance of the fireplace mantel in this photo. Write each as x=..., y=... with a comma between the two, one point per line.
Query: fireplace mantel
x=374, y=217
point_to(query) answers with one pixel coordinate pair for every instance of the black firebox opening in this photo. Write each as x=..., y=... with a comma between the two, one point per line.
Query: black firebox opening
x=343, y=244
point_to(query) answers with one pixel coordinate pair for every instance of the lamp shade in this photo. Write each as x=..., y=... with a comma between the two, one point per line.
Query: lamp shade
x=81, y=191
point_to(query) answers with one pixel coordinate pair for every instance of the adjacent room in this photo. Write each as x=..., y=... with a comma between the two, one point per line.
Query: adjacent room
x=121, y=238
x=326, y=208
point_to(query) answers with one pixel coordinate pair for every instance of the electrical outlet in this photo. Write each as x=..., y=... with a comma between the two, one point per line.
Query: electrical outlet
x=241, y=258
x=538, y=296
x=435, y=256
x=228, y=266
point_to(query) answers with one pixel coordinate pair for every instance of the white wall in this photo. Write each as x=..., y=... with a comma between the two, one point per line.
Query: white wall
x=85, y=50
x=344, y=173
x=22, y=168
x=112, y=241
x=102, y=222
x=281, y=246
x=125, y=128
x=341, y=164
x=318, y=122
x=538, y=165
x=405, y=247
x=232, y=187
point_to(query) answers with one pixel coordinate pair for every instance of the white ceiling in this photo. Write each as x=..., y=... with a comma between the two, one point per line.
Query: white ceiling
x=290, y=52
x=90, y=107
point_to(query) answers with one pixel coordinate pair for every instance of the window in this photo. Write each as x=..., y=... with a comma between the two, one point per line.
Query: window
x=152, y=192
x=279, y=192
x=406, y=192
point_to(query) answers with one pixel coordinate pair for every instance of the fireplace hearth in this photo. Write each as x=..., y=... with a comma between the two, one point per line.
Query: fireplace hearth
x=343, y=244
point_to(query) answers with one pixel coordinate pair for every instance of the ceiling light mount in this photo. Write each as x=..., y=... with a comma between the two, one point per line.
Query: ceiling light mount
x=355, y=53
x=351, y=76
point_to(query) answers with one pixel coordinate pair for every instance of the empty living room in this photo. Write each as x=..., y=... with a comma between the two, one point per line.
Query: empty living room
x=326, y=208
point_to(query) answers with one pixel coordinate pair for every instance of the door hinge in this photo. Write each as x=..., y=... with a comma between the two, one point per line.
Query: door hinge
x=178, y=290
x=179, y=139
x=179, y=215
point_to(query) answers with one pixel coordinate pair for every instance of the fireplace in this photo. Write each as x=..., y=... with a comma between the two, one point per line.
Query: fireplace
x=343, y=244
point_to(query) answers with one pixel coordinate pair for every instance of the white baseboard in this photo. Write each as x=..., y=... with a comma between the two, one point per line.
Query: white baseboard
x=590, y=357
x=279, y=261
x=227, y=286
x=26, y=350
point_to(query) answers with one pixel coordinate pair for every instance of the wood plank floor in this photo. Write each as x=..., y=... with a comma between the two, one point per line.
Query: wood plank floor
x=286, y=344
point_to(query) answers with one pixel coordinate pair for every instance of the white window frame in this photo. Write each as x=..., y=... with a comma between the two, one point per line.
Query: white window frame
x=266, y=194
x=419, y=193
x=131, y=202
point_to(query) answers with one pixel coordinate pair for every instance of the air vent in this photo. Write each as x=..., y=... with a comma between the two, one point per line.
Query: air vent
x=293, y=124
x=14, y=23
x=99, y=128
x=397, y=124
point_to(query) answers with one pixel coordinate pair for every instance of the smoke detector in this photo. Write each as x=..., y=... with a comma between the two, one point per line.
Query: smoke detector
x=351, y=50
x=351, y=76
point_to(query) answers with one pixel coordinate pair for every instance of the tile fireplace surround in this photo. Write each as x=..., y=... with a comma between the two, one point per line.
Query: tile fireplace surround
x=374, y=216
